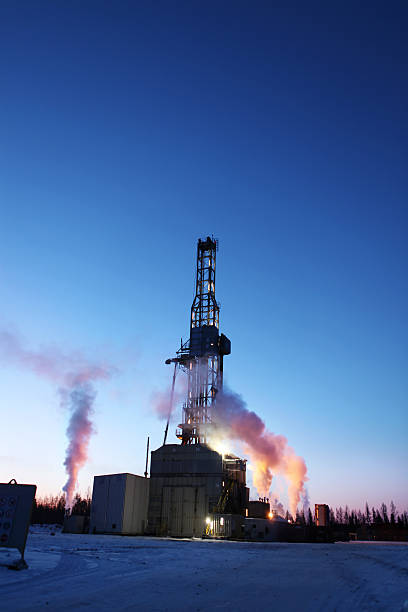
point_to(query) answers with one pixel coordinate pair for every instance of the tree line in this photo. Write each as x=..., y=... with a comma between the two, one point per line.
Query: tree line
x=357, y=518
x=51, y=509
x=383, y=523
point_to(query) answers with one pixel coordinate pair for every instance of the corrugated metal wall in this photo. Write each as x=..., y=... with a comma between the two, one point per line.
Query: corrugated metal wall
x=108, y=497
x=119, y=504
x=185, y=484
x=174, y=459
x=136, y=504
x=183, y=510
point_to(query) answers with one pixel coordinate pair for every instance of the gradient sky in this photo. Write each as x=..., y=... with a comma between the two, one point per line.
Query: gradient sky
x=130, y=129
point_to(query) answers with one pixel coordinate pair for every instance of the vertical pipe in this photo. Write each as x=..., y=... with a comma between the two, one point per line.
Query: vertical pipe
x=147, y=456
x=171, y=404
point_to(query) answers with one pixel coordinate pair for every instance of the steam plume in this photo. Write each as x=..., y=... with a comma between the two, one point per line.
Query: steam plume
x=160, y=402
x=163, y=403
x=268, y=452
x=79, y=431
x=74, y=376
x=278, y=508
x=305, y=500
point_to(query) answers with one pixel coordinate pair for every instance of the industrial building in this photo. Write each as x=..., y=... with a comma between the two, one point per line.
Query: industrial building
x=193, y=491
x=259, y=509
x=189, y=482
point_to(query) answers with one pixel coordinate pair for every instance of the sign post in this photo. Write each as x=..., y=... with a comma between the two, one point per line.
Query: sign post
x=16, y=503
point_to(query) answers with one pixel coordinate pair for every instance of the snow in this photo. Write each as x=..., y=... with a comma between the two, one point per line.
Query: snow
x=70, y=572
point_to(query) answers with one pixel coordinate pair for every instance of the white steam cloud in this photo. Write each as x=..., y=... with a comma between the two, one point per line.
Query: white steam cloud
x=74, y=376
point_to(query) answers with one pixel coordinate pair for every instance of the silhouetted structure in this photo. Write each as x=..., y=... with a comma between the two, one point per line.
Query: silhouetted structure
x=322, y=515
x=192, y=481
x=202, y=355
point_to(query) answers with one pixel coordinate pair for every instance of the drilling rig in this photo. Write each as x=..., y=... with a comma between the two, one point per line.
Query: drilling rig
x=190, y=482
x=201, y=356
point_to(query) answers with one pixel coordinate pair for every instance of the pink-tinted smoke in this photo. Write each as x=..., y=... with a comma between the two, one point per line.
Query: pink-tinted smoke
x=160, y=403
x=163, y=403
x=74, y=376
x=79, y=431
x=269, y=452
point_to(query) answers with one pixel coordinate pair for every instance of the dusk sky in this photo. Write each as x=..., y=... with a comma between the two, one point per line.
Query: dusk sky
x=131, y=129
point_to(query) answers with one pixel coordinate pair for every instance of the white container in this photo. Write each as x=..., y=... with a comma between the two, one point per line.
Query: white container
x=119, y=504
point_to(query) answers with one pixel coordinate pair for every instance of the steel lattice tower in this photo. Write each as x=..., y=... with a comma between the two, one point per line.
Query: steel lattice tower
x=201, y=357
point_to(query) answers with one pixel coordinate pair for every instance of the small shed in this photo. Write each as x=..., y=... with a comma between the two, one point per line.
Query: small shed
x=119, y=504
x=75, y=523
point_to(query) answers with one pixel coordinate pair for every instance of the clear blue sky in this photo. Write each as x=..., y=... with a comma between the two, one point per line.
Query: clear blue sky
x=130, y=129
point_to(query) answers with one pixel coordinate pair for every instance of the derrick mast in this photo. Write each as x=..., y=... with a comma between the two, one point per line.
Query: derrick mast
x=201, y=357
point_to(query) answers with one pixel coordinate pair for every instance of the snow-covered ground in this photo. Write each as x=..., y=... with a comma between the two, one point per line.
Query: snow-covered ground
x=71, y=572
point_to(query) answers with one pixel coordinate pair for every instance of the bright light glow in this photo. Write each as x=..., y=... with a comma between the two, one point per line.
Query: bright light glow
x=270, y=515
x=222, y=520
x=221, y=446
x=208, y=520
